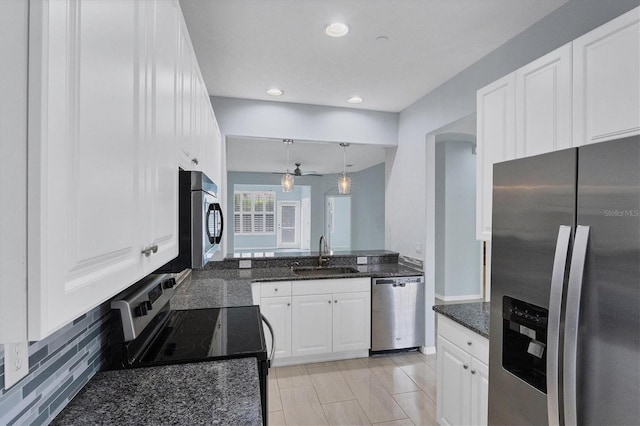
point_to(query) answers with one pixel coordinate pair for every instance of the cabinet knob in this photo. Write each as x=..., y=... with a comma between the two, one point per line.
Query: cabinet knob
x=288, y=304
x=329, y=301
x=195, y=161
x=465, y=366
x=335, y=301
x=473, y=371
x=469, y=343
x=275, y=289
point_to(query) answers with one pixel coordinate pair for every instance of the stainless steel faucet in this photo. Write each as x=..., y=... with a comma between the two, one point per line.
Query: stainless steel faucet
x=323, y=248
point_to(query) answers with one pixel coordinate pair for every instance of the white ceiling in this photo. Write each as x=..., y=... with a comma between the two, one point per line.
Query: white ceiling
x=245, y=47
x=270, y=155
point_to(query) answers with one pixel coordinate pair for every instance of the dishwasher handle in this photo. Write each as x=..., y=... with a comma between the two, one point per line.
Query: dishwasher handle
x=399, y=281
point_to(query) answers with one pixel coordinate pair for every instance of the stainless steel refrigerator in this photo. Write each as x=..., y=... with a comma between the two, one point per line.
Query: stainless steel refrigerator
x=565, y=287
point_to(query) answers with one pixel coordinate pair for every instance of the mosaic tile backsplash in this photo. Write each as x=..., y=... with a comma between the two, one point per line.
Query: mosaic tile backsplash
x=59, y=366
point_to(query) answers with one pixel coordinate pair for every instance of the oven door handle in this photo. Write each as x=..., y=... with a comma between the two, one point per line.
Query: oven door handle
x=273, y=338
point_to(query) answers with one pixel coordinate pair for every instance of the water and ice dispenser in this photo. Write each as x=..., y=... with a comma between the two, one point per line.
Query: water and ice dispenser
x=524, y=341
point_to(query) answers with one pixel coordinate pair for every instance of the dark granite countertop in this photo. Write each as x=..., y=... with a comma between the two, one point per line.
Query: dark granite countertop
x=212, y=288
x=218, y=392
x=474, y=316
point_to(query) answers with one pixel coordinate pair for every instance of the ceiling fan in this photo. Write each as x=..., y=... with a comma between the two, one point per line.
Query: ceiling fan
x=299, y=172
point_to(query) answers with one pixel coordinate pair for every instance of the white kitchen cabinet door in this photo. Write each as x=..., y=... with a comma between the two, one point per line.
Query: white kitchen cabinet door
x=85, y=161
x=544, y=103
x=495, y=142
x=351, y=321
x=479, y=392
x=311, y=317
x=454, y=384
x=277, y=310
x=606, y=86
x=186, y=94
x=160, y=134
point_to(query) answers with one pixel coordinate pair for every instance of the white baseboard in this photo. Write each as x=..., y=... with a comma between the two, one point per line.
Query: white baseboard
x=333, y=356
x=428, y=350
x=458, y=298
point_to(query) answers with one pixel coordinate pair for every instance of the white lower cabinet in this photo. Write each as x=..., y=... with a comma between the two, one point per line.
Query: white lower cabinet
x=316, y=320
x=312, y=317
x=278, y=311
x=463, y=375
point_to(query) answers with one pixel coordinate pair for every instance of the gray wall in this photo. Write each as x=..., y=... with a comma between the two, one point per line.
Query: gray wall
x=457, y=251
x=265, y=119
x=456, y=99
x=367, y=203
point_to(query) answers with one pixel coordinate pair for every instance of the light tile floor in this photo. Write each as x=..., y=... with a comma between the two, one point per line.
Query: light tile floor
x=398, y=389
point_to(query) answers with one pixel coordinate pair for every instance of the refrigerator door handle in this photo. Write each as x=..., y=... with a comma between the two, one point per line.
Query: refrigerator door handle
x=553, y=330
x=572, y=319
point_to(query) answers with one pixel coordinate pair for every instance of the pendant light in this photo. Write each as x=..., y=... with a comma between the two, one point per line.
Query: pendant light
x=287, y=179
x=344, y=182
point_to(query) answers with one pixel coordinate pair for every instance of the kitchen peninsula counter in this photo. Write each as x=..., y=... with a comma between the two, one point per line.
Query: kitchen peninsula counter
x=213, y=288
x=474, y=316
x=223, y=392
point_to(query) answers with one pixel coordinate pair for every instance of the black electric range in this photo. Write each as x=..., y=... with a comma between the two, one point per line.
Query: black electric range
x=147, y=333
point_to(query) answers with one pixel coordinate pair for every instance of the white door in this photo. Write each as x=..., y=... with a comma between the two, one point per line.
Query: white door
x=543, y=104
x=479, y=392
x=162, y=181
x=496, y=142
x=85, y=160
x=454, y=382
x=277, y=310
x=351, y=321
x=311, y=317
x=338, y=222
x=288, y=224
x=606, y=87
x=305, y=242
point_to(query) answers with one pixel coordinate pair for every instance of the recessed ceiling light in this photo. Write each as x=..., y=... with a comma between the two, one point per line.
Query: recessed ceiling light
x=354, y=100
x=337, y=29
x=275, y=92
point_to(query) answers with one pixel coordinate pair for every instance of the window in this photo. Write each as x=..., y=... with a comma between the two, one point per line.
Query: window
x=254, y=212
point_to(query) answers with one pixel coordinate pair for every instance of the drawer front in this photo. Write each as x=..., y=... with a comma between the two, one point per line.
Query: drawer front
x=280, y=288
x=330, y=286
x=469, y=341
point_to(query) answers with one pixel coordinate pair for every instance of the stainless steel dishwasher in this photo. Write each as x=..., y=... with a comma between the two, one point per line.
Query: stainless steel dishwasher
x=397, y=313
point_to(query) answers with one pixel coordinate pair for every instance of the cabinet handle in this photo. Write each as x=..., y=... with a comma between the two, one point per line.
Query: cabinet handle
x=465, y=366
x=149, y=250
x=195, y=161
x=473, y=371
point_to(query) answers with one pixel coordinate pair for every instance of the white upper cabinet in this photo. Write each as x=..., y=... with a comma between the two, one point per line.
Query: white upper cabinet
x=198, y=137
x=86, y=168
x=586, y=91
x=495, y=141
x=543, y=104
x=606, y=81
x=161, y=128
x=106, y=118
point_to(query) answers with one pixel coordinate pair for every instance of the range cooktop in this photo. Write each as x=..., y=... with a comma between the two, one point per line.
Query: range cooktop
x=207, y=334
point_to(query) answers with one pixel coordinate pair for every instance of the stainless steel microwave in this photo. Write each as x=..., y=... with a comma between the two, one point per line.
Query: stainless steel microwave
x=200, y=222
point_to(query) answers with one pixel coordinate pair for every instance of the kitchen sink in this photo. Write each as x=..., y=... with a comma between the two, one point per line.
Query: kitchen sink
x=313, y=271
